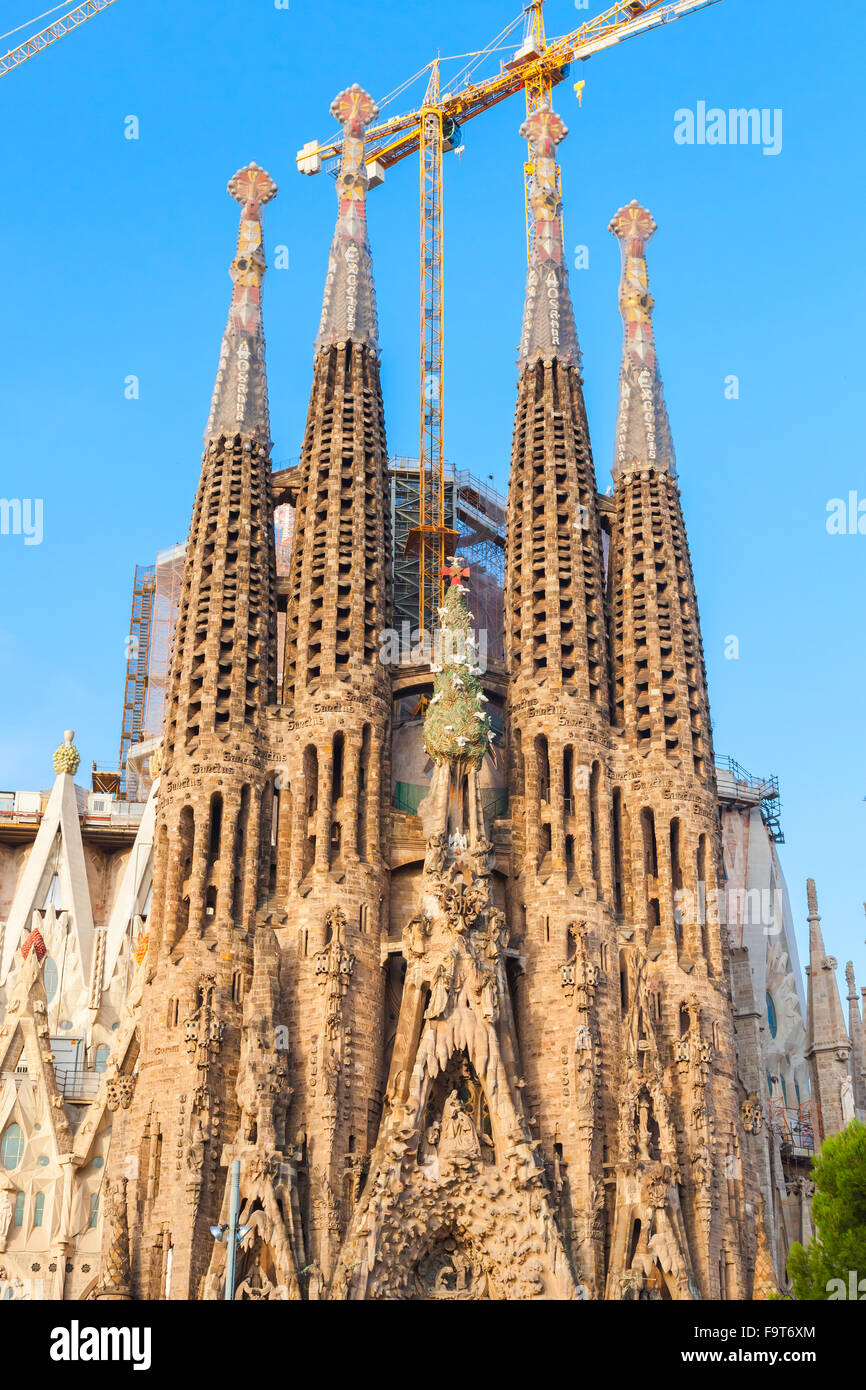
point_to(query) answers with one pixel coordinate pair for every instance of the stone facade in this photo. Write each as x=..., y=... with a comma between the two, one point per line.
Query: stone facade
x=456, y=1055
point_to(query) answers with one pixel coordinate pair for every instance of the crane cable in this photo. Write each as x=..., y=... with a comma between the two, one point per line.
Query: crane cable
x=62, y=6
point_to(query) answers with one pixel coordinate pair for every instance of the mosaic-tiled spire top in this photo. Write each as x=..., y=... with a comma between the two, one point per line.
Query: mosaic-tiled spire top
x=548, y=316
x=240, y=398
x=643, y=433
x=349, y=303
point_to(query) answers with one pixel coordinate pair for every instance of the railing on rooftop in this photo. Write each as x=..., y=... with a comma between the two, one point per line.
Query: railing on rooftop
x=75, y=1085
x=766, y=788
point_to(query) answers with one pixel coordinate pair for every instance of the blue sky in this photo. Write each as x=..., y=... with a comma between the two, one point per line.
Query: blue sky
x=116, y=254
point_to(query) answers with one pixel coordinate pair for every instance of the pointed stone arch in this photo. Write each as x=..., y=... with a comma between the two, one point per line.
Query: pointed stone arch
x=58, y=849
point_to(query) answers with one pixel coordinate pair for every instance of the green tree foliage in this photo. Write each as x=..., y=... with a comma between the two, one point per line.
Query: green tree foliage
x=839, y=1215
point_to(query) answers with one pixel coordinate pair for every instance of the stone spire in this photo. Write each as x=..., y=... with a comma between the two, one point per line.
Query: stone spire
x=338, y=586
x=548, y=315
x=855, y=1031
x=240, y=398
x=330, y=869
x=659, y=680
x=827, y=1043
x=643, y=435
x=554, y=622
x=349, y=303
x=216, y=793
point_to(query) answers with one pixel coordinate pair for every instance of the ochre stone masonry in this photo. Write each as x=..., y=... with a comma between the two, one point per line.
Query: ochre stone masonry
x=525, y=1086
x=457, y=1055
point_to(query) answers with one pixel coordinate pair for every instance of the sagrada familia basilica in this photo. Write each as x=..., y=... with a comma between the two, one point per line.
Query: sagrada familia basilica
x=505, y=1047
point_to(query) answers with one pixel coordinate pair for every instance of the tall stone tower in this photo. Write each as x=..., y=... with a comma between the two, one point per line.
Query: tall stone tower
x=676, y=1072
x=207, y=841
x=561, y=898
x=330, y=872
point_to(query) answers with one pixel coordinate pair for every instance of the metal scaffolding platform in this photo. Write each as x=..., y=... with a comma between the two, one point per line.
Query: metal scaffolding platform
x=475, y=513
x=168, y=580
x=739, y=788
x=137, y=658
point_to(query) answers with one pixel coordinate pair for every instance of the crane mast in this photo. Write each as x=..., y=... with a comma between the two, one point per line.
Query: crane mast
x=431, y=535
x=37, y=42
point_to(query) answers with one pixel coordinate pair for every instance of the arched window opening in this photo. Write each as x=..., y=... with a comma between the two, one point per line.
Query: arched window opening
x=542, y=766
x=364, y=808
x=240, y=850
x=595, y=823
x=50, y=979
x=337, y=774
x=12, y=1146
x=650, y=849
x=568, y=780
x=569, y=854
x=52, y=895
x=215, y=827
x=617, y=851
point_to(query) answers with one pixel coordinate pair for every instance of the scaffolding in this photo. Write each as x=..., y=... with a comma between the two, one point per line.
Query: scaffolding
x=797, y=1128
x=166, y=601
x=137, y=657
x=155, y=601
x=742, y=789
x=475, y=514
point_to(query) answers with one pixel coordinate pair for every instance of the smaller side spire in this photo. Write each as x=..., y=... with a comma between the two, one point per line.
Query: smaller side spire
x=240, y=399
x=643, y=434
x=855, y=1033
x=349, y=302
x=827, y=1043
x=548, y=315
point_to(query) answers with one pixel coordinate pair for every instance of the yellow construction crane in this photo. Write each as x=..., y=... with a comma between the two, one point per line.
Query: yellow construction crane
x=79, y=14
x=432, y=130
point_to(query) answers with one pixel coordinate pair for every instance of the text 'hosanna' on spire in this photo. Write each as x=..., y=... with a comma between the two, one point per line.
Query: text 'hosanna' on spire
x=349, y=302
x=643, y=434
x=548, y=316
